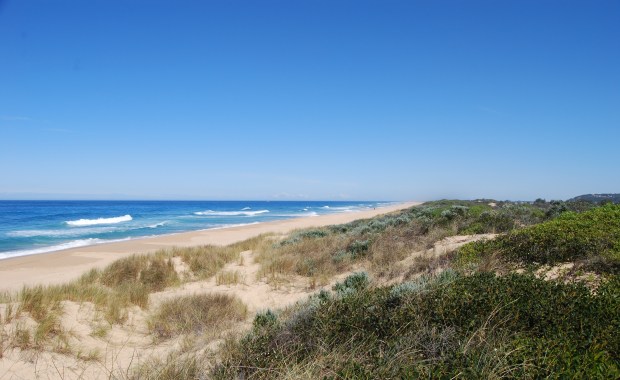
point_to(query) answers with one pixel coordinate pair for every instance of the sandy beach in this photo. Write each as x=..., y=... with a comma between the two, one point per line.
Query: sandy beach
x=62, y=266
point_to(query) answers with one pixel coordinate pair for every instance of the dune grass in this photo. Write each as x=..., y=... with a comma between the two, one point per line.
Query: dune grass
x=124, y=283
x=381, y=242
x=175, y=366
x=228, y=277
x=206, y=261
x=205, y=314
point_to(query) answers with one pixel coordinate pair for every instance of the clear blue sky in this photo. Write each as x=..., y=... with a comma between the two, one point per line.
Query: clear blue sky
x=309, y=99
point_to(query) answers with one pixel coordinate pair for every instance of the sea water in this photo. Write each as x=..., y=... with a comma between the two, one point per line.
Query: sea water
x=31, y=227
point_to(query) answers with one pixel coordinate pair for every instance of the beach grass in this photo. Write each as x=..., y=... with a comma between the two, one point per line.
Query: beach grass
x=206, y=261
x=174, y=366
x=200, y=314
x=382, y=242
x=228, y=277
x=112, y=290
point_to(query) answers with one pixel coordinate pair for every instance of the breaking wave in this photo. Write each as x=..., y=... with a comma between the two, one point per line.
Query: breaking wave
x=93, y=222
x=230, y=213
x=59, y=247
x=60, y=233
x=156, y=225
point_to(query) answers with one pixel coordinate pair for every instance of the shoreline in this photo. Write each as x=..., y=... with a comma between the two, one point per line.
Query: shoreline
x=67, y=264
x=86, y=241
x=29, y=252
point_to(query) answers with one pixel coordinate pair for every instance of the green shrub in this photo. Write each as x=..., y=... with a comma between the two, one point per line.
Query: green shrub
x=296, y=237
x=569, y=237
x=409, y=287
x=265, y=319
x=353, y=283
x=358, y=248
x=479, y=326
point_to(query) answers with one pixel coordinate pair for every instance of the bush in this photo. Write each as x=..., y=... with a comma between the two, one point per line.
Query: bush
x=353, y=283
x=358, y=248
x=480, y=326
x=298, y=236
x=570, y=237
x=265, y=319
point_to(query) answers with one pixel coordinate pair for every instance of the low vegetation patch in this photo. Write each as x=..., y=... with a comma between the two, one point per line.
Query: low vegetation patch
x=197, y=314
x=480, y=326
x=591, y=238
x=124, y=283
x=228, y=277
x=206, y=261
x=174, y=367
x=383, y=241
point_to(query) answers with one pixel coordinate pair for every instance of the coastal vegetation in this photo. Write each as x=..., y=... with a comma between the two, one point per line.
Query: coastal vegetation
x=590, y=239
x=447, y=289
x=198, y=314
x=443, y=326
x=112, y=291
x=469, y=320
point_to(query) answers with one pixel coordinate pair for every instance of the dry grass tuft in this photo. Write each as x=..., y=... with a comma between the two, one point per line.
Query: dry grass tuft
x=100, y=331
x=175, y=366
x=228, y=278
x=304, y=256
x=197, y=314
x=326, y=252
x=125, y=282
x=155, y=272
x=205, y=261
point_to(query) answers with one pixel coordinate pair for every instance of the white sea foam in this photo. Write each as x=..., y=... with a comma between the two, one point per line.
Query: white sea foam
x=156, y=225
x=60, y=233
x=344, y=208
x=76, y=232
x=311, y=213
x=230, y=213
x=300, y=215
x=92, y=222
x=71, y=244
x=222, y=226
x=246, y=208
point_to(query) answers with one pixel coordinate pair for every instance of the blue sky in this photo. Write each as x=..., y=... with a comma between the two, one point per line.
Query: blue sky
x=388, y=100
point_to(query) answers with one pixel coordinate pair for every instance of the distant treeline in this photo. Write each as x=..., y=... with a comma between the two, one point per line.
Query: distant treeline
x=597, y=198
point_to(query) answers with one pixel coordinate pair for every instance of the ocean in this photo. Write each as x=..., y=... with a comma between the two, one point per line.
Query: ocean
x=32, y=227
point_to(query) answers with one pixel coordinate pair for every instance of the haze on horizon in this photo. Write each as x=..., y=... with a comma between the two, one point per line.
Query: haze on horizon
x=399, y=100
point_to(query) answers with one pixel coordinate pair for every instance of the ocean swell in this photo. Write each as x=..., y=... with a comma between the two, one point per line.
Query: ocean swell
x=61, y=233
x=230, y=213
x=93, y=222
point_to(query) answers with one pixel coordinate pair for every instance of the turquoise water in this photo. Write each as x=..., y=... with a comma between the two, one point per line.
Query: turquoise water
x=31, y=227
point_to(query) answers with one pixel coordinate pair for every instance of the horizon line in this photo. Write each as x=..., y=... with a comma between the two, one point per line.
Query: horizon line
x=200, y=200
